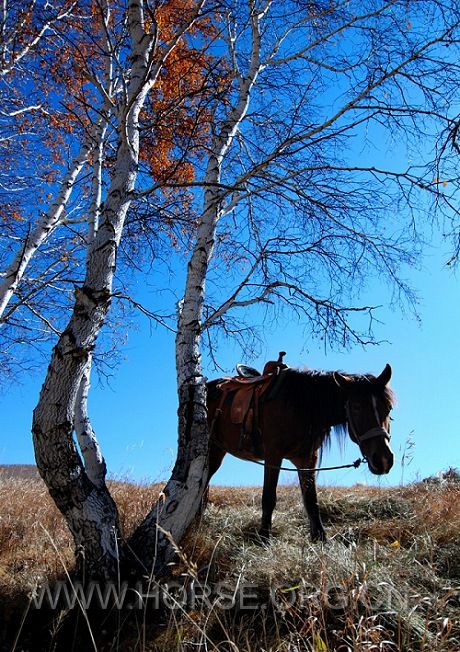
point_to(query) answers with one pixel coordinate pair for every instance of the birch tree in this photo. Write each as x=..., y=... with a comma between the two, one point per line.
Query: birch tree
x=42, y=251
x=252, y=144
x=34, y=58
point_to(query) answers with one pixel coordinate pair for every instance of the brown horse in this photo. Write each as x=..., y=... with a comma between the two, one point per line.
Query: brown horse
x=294, y=422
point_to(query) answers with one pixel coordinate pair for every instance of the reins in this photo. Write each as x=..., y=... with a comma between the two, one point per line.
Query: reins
x=354, y=465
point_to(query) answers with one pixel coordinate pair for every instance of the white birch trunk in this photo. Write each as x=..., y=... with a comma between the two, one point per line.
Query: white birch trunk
x=184, y=491
x=88, y=508
x=171, y=517
x=95, y=466
x=96, y=191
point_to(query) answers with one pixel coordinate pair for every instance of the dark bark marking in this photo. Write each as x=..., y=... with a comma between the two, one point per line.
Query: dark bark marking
x=97, y=297
x=173, y=505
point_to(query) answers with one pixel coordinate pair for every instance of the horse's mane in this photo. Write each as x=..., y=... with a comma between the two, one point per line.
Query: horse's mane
x=314, y=394
x=317, y=394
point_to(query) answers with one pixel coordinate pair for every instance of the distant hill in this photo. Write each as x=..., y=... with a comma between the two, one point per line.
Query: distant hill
x=18, y=471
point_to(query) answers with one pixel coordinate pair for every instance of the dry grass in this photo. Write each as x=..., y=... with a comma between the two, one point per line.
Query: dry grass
x=30, y=529
x=389, y=579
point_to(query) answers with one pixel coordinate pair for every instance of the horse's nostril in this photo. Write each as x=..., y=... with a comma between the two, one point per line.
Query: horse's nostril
x=377, y=464
x=381, y=465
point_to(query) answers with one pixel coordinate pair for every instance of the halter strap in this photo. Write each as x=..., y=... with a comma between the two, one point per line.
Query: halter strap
x=374, y=432
x=377, y=431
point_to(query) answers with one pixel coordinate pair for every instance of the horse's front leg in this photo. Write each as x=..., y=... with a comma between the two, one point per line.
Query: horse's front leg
x=307, y=481
x=271, y=475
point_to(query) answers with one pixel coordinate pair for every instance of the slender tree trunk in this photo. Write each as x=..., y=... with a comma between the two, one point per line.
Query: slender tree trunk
x=153, y=542
x=95, y=466
x=88, y=508
x=89, y=446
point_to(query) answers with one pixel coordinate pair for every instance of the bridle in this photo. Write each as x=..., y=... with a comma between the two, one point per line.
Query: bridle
x=376, y=431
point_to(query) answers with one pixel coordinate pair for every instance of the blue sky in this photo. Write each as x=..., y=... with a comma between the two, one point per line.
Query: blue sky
x=135, y=413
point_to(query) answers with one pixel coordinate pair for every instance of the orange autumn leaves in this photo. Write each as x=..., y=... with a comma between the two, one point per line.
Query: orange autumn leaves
x=176, y=117
x=175, y=124
x=69, y=71
x=80, y=64
x=178, y=113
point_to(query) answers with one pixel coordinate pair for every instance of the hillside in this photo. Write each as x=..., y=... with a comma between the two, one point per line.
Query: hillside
x=389, y=578
x=18, y=471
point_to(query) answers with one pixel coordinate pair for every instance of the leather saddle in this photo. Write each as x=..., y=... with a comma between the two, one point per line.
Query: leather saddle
x=248, y=388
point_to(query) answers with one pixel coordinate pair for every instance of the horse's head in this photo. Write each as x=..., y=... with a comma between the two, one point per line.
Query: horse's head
x=368, y=402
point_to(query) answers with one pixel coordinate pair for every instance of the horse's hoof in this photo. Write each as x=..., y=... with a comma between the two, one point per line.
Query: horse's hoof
x=264, y=536
x=318, y=537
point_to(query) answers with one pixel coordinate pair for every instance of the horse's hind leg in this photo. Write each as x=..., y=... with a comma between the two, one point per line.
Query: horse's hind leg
x=307, y=481
x=271, y=475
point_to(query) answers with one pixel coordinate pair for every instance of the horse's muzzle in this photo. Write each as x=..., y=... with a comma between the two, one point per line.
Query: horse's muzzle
x=381, y=464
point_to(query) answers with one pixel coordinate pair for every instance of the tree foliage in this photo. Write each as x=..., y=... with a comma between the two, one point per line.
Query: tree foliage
x=62, y=149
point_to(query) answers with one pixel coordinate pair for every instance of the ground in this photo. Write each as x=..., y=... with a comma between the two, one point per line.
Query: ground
x=388, y=578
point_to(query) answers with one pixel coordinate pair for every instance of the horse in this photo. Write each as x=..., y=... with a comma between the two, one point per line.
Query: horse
x=294, y=422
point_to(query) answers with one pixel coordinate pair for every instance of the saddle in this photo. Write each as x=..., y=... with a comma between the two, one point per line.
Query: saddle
x=248, y=387
x=271, y=367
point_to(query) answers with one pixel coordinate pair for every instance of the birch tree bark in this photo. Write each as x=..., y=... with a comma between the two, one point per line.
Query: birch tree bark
x=88, y=507
x=95, y=465
x=169, y=519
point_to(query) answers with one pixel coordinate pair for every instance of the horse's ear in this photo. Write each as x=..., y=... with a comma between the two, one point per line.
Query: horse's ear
x=342, y=381
x=384, y=377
